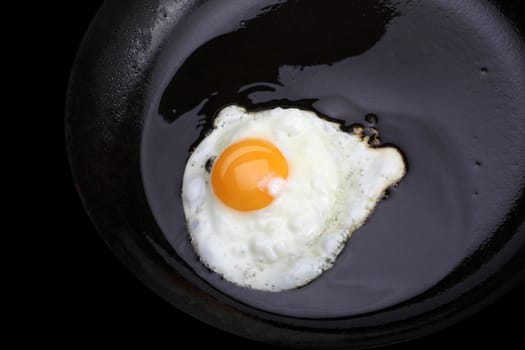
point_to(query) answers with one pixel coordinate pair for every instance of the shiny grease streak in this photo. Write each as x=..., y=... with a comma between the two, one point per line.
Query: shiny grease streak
x=442, y=80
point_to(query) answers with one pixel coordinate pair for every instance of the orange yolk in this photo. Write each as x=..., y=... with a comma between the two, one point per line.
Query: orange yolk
x=240, y=174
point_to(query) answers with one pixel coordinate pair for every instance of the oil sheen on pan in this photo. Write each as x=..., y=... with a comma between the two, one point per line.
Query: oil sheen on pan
x=437, y=84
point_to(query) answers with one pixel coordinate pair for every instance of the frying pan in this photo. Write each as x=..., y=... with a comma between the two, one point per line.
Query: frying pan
x=109, y=85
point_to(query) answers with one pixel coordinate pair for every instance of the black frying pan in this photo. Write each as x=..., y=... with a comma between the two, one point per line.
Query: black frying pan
x=116, y=77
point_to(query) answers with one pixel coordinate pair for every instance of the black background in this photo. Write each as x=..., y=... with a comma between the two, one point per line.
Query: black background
x=103, y=303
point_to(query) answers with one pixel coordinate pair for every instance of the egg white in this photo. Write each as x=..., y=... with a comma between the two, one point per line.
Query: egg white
x=335, y=180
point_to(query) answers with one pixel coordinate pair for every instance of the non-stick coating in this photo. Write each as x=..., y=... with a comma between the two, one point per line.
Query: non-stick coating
x=104, y=126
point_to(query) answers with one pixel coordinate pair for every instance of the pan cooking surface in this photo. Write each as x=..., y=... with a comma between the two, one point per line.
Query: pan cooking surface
x=446, y=82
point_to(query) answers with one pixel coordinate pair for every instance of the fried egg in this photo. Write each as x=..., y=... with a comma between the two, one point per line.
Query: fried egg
x=271, y=197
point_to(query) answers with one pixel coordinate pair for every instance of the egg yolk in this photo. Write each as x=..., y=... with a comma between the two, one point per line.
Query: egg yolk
x=241, y=174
